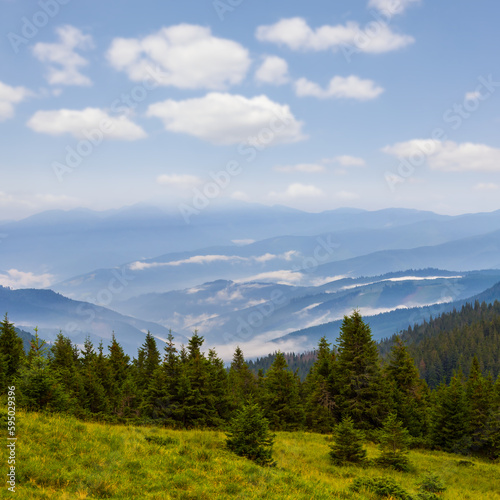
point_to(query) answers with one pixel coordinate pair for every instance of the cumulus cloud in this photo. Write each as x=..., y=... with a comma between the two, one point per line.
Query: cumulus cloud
x=273, y=70
x=351, y=87
x=14, y=278
x=448, y=156
x=185, y=56
x=309, y=168
x=347, y=161
x=79, y=122
x=225, y=119
x=9, y=96
x=296, y=34
x=181, y=181
x=391, y=7
x=64, y=63
x=298, y=190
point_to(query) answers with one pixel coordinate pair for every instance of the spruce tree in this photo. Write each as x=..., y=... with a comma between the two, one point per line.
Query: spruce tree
x=358, y=379
x=478, y=391
x=394, y=444
x=347, y=448
x=408, y=390
x=249, y=436
x=280, y=399
x=11, y=351
x=321, y=405
x=241, y=381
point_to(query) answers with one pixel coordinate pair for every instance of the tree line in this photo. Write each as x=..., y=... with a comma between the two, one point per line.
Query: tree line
x=185, y=388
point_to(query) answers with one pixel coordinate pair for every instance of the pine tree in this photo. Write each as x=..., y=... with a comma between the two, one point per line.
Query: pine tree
x=408, y=390
x=394, y=444
x=320, y=400
x=450, y=418
x=478, y=391
x=280, y=399
x=241, y=381
x=11, y=351
x=363, y=394
x=64, y=364
x=248, y=435
x=347, y=448
x=38, y=387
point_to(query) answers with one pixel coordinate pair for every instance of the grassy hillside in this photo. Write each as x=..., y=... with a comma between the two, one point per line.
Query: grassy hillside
x=62, y=458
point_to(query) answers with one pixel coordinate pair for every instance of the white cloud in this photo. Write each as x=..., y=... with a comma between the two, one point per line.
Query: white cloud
x=64, y=56
x=8, y=97
x=274, y=70
x=80, y=122
x=346, y=161
x=486, y=186
x=448, y=156
x=309, y=168
x=351, y=87
x=296, y=34
x=180, y=181
x=14, y=278
x=284, y=277
x=185, y=56
x=298, y=190
x=37, y=201
x=229, y=119
x=391, y=7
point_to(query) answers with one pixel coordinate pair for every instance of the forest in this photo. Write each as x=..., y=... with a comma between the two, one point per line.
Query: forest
x=184, y=388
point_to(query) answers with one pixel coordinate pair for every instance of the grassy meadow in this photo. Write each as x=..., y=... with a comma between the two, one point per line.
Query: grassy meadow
x=59, y=457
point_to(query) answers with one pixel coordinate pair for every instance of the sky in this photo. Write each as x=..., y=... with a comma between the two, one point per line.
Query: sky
x=314, y=105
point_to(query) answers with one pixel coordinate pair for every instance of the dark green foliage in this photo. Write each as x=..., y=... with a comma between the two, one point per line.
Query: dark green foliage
x=408, y=390
x=321, y=406
x=383, y=487
x=358, y=378
x=39, y=389
x=242, y=383
x=432, y=484
x=450, y=417
x=394, y=444
x=280, y=397
x=347, y=448
x=12, y=353
x=249, y=436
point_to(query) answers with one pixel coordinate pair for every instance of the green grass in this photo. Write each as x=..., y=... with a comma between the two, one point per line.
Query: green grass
x=62, y=458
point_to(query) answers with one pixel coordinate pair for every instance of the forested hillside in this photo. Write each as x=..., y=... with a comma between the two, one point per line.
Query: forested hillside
x=187, y=388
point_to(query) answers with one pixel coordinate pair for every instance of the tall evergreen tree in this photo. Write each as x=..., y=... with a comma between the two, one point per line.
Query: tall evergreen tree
x=280, y=399
x=11, y=351
x=321, y=405
x=408, y=390
x=241, y=381
x=363, y=394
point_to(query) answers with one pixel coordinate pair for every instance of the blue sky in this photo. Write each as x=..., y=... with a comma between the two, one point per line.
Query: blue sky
x=315, y=105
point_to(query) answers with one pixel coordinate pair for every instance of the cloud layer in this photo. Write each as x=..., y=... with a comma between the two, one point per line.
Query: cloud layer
x=351, y=87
